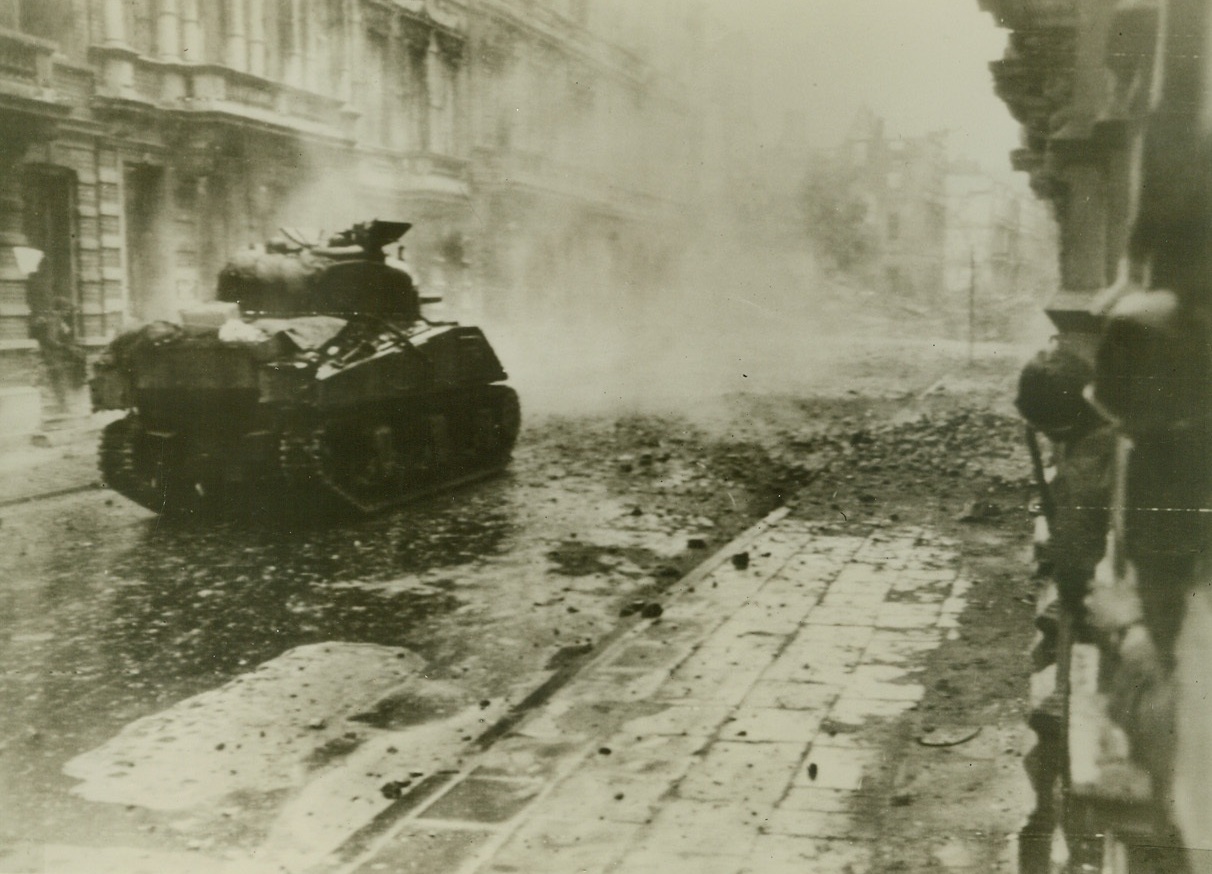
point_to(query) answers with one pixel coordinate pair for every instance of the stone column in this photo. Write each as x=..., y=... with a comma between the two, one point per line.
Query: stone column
x=237, y=43
x=168, y=31
x=349, y=47
x=114, y=21
x=294, y=57
x=256, y=37
x=193, y=47
x=314, y=70
x=118, y=67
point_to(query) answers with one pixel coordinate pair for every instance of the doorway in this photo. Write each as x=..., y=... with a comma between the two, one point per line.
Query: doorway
x=49, y=198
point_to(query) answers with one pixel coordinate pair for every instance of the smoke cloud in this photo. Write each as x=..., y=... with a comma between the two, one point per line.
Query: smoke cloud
x=601, y=298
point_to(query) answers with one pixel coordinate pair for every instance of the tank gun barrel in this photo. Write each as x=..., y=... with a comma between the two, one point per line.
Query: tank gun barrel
x=370, y=236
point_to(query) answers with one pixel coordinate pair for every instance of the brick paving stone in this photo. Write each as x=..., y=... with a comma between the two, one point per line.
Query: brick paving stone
x=811, y=565
x=857, y=711
x=818, y=798
x=524, y=757
x=816, y=824
x=482, y=799
x=620, y=798
x=868, y=601
x=625, y=785
x=784, y=854
x=780, y=600
x=884, y=683
x=691, y=719
x=703, y=828
x=760, y=724
x=698, y=681
x=756, y=774
x=420, y=851
x=661, y=756
x=763, y=619
x=656, y=861
x=908, y=616
x=561, y=846
x=899, y=647
x=919, y=594
x=864, y=576
x=927, y=575
x=827, y=668
x=842, y=639
x=565, y=718
x=836, y=767
x=623, y=686
x=722, y=649
x=791, y=695
x=855, y=615
x=644, y=653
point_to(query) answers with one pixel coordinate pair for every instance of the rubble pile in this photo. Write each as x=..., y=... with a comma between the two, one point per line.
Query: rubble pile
x=962, y=443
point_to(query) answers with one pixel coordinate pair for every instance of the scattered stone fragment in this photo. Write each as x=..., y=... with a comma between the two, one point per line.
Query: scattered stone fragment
x=948, y=736
x=740, y=561
x=394, y=789
x=979, y=511
x=812, y=770
x=651, y=610
x=696, y=543
x=317, y=724
x=632, y=608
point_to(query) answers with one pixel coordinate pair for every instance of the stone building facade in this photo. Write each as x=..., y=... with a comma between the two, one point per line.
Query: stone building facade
x=903, y=183
x=142, y=141
x=1114, y=100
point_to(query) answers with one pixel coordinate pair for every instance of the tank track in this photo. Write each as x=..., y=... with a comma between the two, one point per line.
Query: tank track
x=122, y=471
x=310, y=458
x=320, y=466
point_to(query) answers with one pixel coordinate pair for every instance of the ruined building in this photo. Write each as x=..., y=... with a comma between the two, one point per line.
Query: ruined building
x=903, y=182
x=936, y=235
x=143, y=140
x=999, y=254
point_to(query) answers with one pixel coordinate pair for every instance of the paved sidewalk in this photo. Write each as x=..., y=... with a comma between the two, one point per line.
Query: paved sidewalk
x=725, y=736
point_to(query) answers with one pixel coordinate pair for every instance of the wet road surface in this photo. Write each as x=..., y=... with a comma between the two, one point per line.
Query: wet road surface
x=112, y=615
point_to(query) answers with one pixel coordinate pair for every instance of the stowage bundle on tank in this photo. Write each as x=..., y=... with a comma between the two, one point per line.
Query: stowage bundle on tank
x=314, y=379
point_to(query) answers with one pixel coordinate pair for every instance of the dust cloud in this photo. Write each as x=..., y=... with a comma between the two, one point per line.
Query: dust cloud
x=659, y=303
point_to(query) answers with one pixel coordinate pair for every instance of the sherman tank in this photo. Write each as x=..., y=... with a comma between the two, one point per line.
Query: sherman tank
x=313, y=382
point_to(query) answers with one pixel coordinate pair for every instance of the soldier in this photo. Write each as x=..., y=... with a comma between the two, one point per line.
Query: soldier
x=62, y=359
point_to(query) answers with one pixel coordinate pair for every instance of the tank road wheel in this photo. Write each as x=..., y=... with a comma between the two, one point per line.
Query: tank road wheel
x=362, y=464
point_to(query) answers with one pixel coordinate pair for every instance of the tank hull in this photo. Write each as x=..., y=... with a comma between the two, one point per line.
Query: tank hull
x=372, y=416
